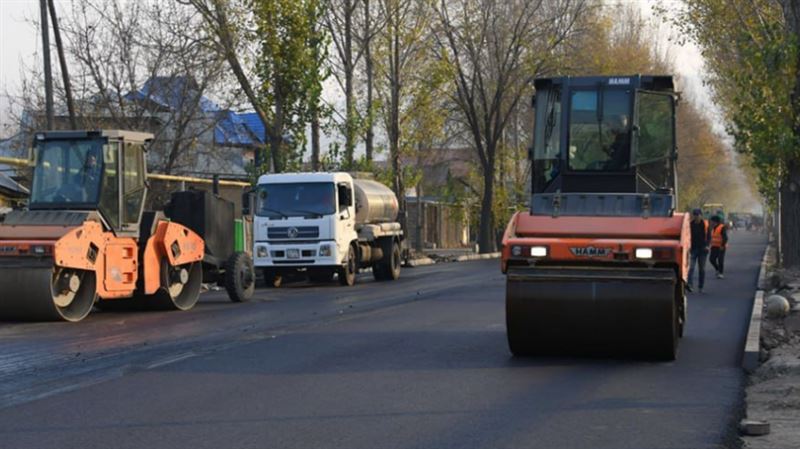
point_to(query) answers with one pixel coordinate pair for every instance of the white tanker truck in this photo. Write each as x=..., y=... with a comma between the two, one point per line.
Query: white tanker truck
x=325, y=224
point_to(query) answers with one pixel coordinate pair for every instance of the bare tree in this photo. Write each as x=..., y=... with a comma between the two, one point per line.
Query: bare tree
x=340, y=22
x=137, y=67
x=496, y=49
x=232, y=25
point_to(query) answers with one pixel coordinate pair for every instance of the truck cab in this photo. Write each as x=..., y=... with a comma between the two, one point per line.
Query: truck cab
x=308, y=223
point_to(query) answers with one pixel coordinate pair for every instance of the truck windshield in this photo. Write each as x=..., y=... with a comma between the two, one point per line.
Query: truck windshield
x=307, y=199
x=67, y=172
x=599, y=131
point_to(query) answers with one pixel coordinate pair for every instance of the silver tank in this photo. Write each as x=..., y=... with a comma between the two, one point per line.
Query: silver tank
x=375, y=203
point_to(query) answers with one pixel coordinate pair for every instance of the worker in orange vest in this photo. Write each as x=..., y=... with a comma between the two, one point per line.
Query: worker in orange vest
x=698, y=251
x=719, y=243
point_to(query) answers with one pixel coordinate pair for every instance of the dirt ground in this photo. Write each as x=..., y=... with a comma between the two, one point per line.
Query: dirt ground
x=773, y=391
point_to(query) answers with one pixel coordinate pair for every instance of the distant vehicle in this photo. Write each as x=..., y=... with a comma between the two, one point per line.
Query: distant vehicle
x=325, y=224
x=711, y=209
x=599, y=262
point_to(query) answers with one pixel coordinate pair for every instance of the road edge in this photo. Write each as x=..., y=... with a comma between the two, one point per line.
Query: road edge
x=465, y=258
x=752, y=347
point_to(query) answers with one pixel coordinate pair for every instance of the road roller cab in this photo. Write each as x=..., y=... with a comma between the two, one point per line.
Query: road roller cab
x=82, y=240
x=599, y=261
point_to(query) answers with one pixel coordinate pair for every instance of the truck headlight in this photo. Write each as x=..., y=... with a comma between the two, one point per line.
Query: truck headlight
x=538, y=251
x=516, y=251
x=325, y=250
x=644, y=253
x=261, y=251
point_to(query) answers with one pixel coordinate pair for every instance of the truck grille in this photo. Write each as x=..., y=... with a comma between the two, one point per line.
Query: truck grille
x=293, y=232
x=279, y=254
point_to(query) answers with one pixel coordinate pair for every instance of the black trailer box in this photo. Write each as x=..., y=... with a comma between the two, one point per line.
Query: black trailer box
x=209, y=216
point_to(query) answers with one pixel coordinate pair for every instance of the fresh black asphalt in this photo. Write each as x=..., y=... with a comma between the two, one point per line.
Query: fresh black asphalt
x=417, y=363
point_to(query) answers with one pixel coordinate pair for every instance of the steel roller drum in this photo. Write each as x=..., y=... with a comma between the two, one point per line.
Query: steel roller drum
x=40, y=294
x=584, y=312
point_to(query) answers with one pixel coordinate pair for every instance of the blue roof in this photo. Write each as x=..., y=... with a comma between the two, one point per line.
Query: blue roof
x=232, y=130
x=171, y=91
x=255, y=125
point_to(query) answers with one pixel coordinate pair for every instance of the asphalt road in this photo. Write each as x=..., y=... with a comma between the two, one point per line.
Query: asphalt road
x=417, y=363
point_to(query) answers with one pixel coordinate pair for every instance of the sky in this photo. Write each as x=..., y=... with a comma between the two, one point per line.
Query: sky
x=18, y=43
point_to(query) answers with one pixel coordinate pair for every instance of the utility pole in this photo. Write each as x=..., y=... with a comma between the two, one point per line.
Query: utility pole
x=48, y=75
x=63, y=64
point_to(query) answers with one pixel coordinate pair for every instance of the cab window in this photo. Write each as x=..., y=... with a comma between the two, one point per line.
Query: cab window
x=133, y=183
x=599, y=131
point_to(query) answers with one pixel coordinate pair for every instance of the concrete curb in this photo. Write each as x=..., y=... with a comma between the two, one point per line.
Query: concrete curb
x=421, y=262
x=752, y=347
x=467, y=257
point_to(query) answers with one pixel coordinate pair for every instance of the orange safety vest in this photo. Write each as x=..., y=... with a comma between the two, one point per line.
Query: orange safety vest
x=716, y=236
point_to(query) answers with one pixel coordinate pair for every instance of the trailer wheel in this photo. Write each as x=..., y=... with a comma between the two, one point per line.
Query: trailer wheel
x=240, y=277
x=347, y=274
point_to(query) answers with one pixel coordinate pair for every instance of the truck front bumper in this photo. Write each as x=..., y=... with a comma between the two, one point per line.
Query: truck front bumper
x=296, y=255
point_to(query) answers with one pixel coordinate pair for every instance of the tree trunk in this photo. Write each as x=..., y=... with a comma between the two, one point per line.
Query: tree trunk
x=63, y=64
x=276, y=139
x=420, y=243
x=790, y=184
x=315, y=140
x=394, y=132
x=349, y=128
x=48, y=74
x=790, y=215
x=486, y=229
x=369, y=138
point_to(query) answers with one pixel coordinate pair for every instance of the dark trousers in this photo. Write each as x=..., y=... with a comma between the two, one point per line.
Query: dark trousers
x=697, y=258
x=717, y=259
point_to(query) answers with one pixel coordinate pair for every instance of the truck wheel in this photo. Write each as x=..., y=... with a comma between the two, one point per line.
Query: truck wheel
x=392, y=265
x=347, y=274
x=240, y=277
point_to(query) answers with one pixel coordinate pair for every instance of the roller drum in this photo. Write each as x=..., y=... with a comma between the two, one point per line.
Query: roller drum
x=45, y=294
x=551, y=312
x=180, y=287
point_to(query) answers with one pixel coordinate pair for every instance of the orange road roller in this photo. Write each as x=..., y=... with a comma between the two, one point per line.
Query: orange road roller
x=86, y=240
x=598, y=265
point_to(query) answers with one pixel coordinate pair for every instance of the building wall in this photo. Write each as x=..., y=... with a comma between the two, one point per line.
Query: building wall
x=442, y=225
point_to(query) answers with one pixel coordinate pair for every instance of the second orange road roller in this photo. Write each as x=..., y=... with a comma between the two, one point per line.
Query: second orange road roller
x=599, y=262
x=86, y=238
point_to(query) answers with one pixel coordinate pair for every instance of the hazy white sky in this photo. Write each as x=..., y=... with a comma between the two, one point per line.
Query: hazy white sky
x=20, y=41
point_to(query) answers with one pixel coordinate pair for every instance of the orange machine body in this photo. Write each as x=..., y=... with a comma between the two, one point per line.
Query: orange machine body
x=598, y=241
x=115, y=260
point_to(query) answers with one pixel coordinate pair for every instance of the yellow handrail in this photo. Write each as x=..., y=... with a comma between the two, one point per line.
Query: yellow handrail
x=14, y=161
x=190, y=179
x=25, y=163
